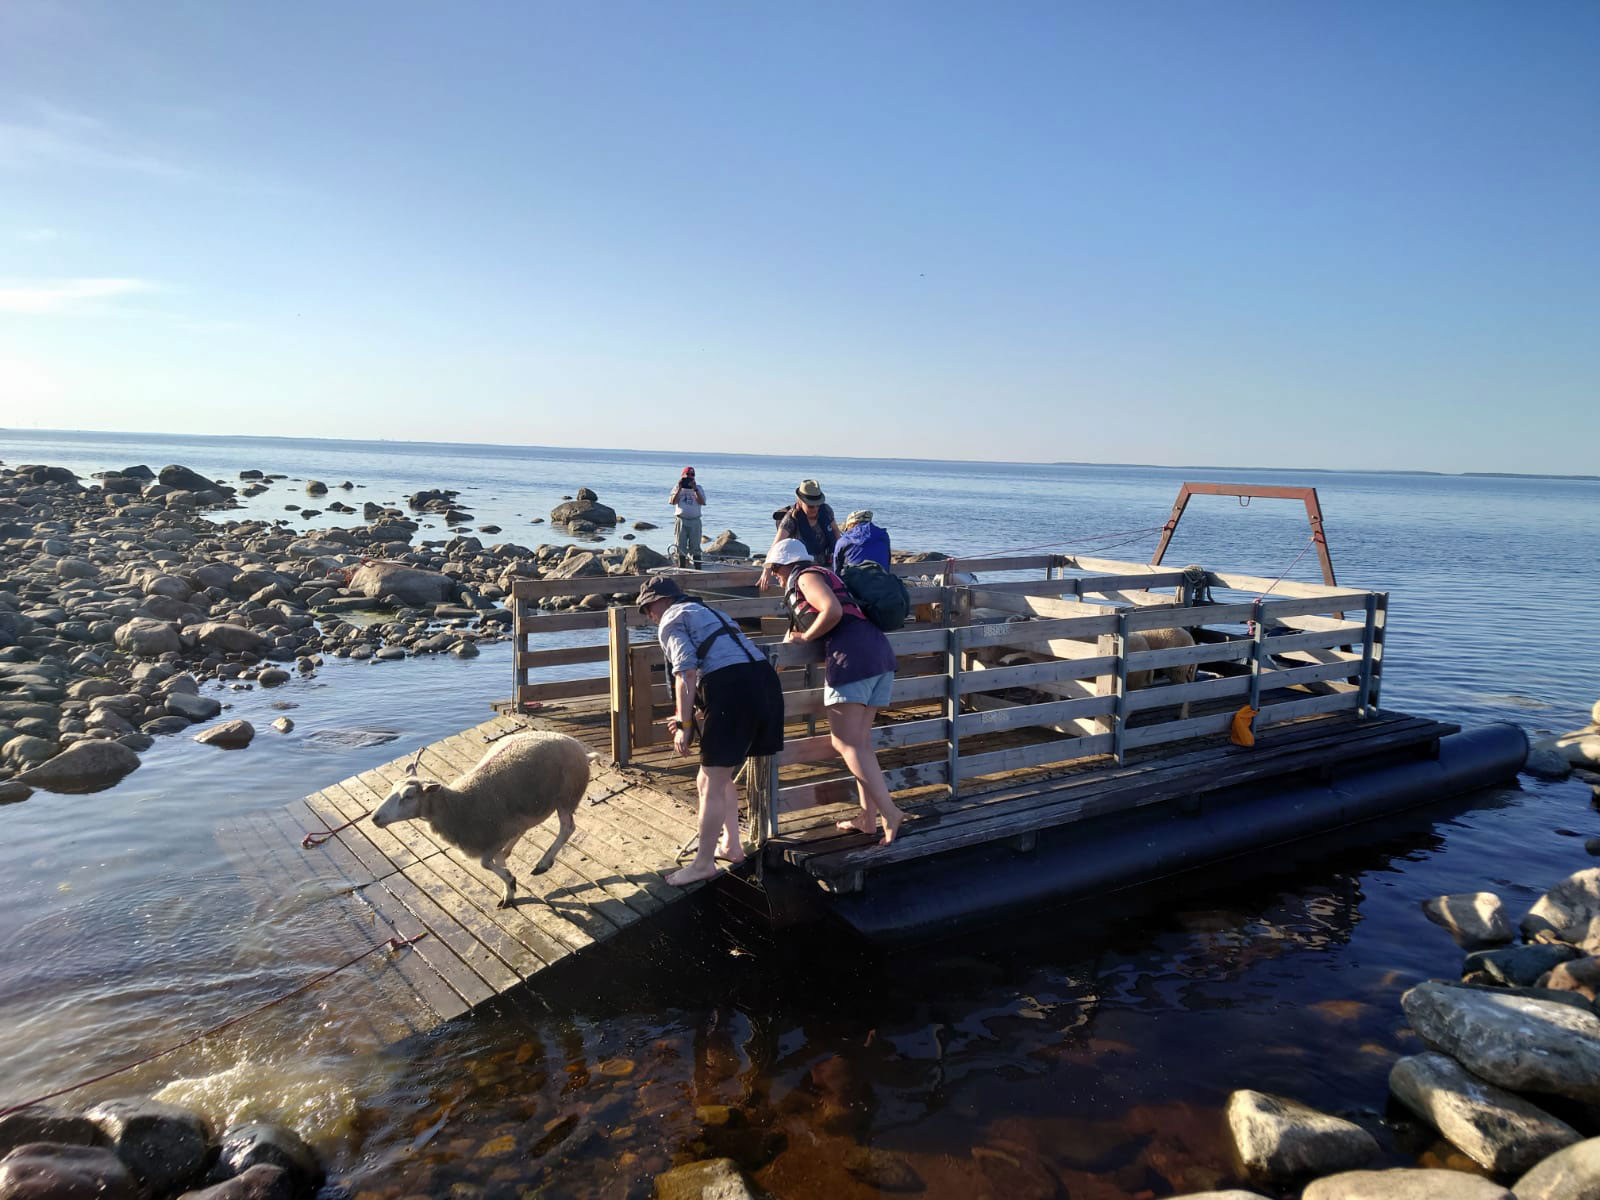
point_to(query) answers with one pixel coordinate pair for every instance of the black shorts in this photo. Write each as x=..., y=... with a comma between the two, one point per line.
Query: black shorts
x=743, y=714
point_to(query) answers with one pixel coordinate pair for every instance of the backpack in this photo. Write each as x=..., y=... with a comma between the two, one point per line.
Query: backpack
x=882, y=596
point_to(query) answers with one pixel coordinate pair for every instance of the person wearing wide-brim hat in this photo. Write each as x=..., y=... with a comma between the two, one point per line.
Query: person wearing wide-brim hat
x=718, y=671
x=809, y=520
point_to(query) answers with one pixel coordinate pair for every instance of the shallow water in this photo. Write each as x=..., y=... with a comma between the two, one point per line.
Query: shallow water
x=1083, y=1051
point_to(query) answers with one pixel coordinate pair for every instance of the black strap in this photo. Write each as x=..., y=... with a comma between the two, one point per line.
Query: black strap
x=705, y=644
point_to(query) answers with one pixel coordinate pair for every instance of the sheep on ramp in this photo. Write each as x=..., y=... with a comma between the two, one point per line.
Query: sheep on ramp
x=522, y=780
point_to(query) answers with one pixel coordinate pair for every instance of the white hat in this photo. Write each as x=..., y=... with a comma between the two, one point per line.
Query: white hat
x=790, y=550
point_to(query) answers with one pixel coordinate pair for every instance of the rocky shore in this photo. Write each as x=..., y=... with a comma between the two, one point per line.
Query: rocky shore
x=120, y=597
x=140, y=1149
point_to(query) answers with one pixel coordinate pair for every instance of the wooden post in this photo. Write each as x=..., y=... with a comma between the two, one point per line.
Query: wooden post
x=641, y=685
x=952, y=706
x=621, y=701
x=519, y=647
x=1258, y=635
x=1380, y=623
x=1120, y=681
x=761, y=786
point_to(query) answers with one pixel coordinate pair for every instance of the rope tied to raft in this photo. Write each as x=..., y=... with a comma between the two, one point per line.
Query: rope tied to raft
x=1282, y=575
x=392, y=944
x=312, y=840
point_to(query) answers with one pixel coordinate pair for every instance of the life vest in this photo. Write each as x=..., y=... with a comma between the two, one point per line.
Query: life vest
x=802, y=612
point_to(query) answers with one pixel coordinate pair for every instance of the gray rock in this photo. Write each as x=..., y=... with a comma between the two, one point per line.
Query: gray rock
x=229, y=735
x=12, y=792
x=1473, y=918
x=591, y=511
x=260, y=1182
x=260, y=1143
x=1494, y=1128
x=727, y=545
x=1230, y=1194
x=76, y=568
x=186, y=480
x=1546, y=762
x=581, y=565
x=273, y=677
x=192, y=707
x=882, y=1170
x=48, y=1171
x=88, y=689
x=1519, y=966
x=166, y=1147
x=25, y=750
x=1282, y=1139
x=228, y=637
x=1405, y=1183
x=87, y=766
x=1570, y=1174
x=398, y=584
x=148, y=636
x=170, y=724
x=284, y=725
x=1521, y=1044
x=640, y=559
x=464, y=650
x=709, y=1179
x=1568, y=912
x=47, y=1123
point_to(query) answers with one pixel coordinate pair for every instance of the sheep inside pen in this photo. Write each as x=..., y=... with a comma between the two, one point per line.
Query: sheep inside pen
x=518, y=784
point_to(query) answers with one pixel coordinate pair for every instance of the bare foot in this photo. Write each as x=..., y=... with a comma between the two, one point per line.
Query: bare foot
x=861, y=823
x=724, y=854
x=891, y=826
x=693, y=873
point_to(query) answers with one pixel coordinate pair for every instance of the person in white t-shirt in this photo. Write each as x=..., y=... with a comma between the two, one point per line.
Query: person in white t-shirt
x=687, y=499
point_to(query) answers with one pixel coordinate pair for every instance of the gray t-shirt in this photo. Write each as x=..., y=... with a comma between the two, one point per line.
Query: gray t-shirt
x=687, y=624
x=690, y=501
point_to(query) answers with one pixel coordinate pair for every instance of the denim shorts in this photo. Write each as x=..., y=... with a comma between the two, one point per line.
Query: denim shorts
x=873, y=691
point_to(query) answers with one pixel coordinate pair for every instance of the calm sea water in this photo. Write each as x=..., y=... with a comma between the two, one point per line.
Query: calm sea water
x=1077, y=1052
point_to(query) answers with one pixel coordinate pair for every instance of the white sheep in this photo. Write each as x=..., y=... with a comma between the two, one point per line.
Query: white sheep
x=517, y=785
x=1160, y=639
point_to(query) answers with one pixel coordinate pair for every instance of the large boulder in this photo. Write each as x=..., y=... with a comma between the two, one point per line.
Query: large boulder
x=1281, y=1139
x=1518, y=966
x=1496, y=1129
x=709, y=1179
x=47, y=1123
x=728, y=546
x=146, y=635
x=640, y=559
x=229, y=638
x=1568, y=912
x=165, y=1146
x=397, y=583
x=264, y=1144
x=194, y=707
x=1570, y=1174
x=1473, y=918
x=1521, y=1044
x=230, y=735
x=91, y=765
x=186, y=480
x=1406, y=1183
x=577, y=566
x=584, y=508
x=48, y=1171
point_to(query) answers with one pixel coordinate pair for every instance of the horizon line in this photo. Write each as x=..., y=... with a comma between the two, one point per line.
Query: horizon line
x=999, y=462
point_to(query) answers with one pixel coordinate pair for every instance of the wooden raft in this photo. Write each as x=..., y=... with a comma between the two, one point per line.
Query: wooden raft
x=403, y=881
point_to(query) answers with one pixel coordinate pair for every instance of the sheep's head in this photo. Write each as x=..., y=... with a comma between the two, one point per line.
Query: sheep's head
x=405, y=801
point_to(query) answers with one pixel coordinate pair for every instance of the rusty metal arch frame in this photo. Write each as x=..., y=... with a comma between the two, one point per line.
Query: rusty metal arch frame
x=1251, y=491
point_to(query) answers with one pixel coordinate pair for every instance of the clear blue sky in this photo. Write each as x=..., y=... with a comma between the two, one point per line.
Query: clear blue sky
x=1274, y=233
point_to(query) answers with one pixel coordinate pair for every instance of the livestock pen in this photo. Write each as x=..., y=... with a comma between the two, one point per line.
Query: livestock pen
x=1013, y=723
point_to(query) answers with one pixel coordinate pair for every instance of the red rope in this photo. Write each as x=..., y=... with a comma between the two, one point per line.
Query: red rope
x=391, y=944
x=1088, y=537
x=316, y=839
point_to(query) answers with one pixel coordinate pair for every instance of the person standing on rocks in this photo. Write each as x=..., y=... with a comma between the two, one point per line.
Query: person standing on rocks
x=688, y=498
x=722, y=681
x=809, y=520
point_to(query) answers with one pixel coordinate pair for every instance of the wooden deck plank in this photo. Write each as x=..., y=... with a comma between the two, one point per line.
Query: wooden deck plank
x=251, y=847
x=391, y=920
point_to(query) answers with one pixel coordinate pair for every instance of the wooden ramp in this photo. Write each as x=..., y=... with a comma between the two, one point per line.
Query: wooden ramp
x=402, y=881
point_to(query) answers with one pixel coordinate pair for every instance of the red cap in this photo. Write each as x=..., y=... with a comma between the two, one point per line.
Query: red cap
x=688, y=470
